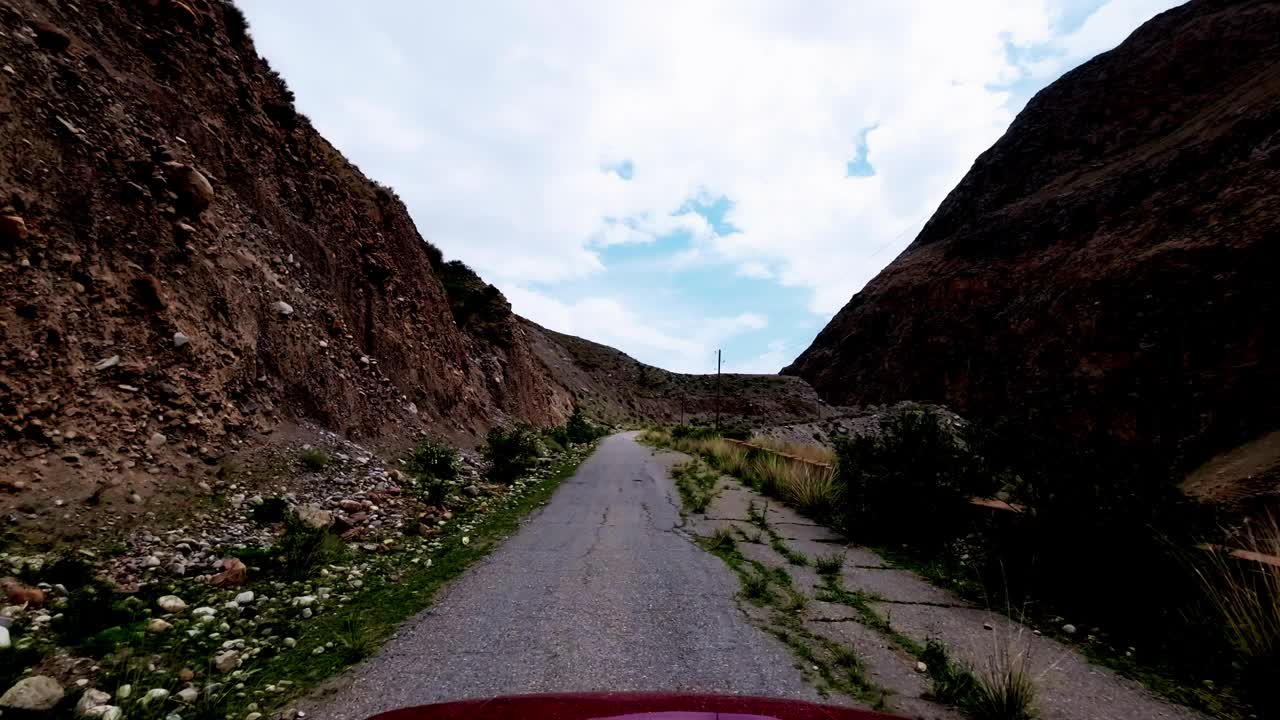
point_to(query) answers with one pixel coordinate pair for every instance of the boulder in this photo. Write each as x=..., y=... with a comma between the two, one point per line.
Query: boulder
x=193, y=189
x=227, y=661
x=314, y=517
x=13, y=230
x=19, y=594
x=234, y=573
x=37, y=693
x=172, y=604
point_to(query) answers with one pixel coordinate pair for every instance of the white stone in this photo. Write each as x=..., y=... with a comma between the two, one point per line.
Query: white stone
x=172, y=604
x=180, y=339
x=124, y=691
x=282, y=308
x=104, y=712
x=154, y=695
x=1069, y=629
x=188, y=695
x=91, y=698
x=202, y=612
x=245, y=597
x=157, y=625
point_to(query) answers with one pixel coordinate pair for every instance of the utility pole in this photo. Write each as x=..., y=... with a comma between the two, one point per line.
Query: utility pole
x=717, y=391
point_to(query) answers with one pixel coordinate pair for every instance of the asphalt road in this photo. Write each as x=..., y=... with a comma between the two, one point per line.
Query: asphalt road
x=599, y=590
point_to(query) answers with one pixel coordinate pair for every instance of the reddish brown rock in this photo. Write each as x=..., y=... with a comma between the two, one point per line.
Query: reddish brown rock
x=13, y=229
x=234, y=573
x=1109, y=265
x=19, y=594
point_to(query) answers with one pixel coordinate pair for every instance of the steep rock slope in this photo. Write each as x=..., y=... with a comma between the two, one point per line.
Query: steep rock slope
x=613, y=386
x=1109, y=265
x=188, y=263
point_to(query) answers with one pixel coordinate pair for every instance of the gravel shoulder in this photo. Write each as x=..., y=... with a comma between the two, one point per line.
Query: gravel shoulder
x=601, y=589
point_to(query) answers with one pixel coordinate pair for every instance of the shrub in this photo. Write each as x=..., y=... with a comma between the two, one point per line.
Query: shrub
x=692, y=432
x=237, y=25
x=511, y=452
x=431, y=459
x=272, y=510
x=1246, y=595
x=303, y=549
x=92, y=609
x=913, y=479
x=579, y=429
x=315, y=459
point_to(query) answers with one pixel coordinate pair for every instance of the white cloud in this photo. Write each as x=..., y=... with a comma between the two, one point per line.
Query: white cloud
x=771, y=360
x=683, y=344
x=496, y=121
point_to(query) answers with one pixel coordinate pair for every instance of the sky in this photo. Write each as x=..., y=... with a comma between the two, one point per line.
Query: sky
x=670, y=177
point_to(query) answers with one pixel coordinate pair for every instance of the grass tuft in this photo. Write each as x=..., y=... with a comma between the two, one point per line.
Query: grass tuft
x=315, y=459
x=829, y=564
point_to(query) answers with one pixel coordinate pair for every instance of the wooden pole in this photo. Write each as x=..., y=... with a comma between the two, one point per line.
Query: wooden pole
x=717, y=391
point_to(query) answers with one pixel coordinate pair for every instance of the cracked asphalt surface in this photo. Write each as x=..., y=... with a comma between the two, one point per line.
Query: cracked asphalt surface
x=599, y=590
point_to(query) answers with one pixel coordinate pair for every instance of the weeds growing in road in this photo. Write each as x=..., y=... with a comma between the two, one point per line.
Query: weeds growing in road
x=722, y=539
x=830, y=564
x=758, y=517
x=696, y=485
x=755, y=587
x=1005, y=688
x=780, y=546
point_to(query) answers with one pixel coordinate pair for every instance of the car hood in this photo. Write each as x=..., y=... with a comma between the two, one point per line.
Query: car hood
x=630, y=706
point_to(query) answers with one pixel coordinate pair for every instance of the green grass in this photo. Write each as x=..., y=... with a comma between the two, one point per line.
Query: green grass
x=779, y=546
x=386, y=600
x=696, y=484
x=722, y=539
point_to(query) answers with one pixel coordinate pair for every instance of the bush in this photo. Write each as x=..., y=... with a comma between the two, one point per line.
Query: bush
x=91, y=610
x=511, y=452
x=315, y=459
x=911, y=480
x=237, y=25
x=579, y=429
x=432, y=459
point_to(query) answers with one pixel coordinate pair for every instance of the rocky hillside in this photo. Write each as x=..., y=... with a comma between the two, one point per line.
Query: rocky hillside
x=193, y=273
x=613, y=386
x=1109, y=265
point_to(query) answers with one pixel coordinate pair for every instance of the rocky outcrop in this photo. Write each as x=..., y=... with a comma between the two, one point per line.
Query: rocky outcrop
x=1109, y=266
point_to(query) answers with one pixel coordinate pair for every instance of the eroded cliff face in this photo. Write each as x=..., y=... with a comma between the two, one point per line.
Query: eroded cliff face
x=1109, y=266
x=187, y=264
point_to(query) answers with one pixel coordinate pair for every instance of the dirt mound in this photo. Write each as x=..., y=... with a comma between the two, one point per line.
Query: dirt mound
x=1107, y=267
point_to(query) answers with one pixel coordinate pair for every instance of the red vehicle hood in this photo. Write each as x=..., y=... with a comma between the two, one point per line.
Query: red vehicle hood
x=630, y=706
